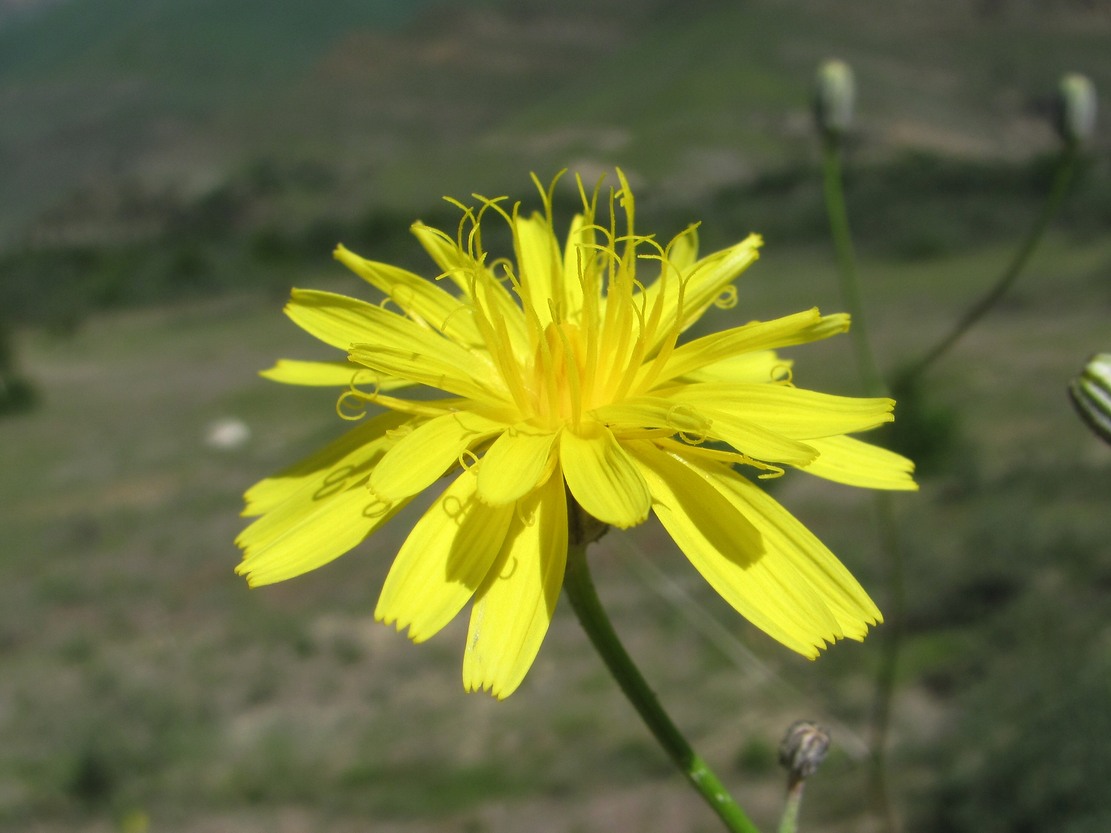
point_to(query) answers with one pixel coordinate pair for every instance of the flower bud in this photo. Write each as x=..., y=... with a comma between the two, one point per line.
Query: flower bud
x=834, y=97
x=1076, y=109
x=1091, y=395
x=803, y=749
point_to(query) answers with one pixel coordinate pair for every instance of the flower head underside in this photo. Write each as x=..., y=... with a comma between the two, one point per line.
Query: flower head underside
x=561, y=373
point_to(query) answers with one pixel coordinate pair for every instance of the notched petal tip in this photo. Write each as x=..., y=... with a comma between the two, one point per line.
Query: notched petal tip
x=856, y=629
x=493, y=688
x=251, y=576
x=401, y=625
x=814, y=652
x=485, y=687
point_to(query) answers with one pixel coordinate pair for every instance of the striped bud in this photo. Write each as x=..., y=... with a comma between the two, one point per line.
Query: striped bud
x=1091, y=395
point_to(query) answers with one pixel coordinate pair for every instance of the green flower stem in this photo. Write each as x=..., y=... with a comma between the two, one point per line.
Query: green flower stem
x=789, y=822
x=874, y=385
x=1066, y=167
x=870, y=375
x=579, y=587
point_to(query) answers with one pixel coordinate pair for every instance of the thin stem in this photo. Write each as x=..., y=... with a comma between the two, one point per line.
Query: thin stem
x=789, y=822
x=872, y=379
x=584, y=599
x=870, y=375
x=1066, y=167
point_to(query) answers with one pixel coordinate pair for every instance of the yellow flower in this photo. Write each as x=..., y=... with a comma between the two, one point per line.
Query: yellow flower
x=561, y=374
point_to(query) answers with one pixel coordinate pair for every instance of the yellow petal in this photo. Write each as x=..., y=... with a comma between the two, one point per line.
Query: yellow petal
x=457, y=265
x=391, y=344
x=421, y=300
x=757, y=441
x=699, y=424
x=790, y=411
x=540, y=265
x=333, y=469
x=425, y=454
x=477, y=283
x=708, y=278
x=679, y=491
x=304, y=536
x=703, y=282
x=651, y=412
x=443, y=561
x=799, y=328
x=602, y=477
x=855, y=463
x=762, y=366
x=515, y=463
x=455, y=375
x=579, y=240
x=514, y=606
x=783, y=533
x=346, y=323
x=682, y=252
x=723, y=543
x=334, y=319
x=330, y=374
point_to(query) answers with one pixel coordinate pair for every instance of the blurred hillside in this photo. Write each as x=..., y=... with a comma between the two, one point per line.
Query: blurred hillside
x=167, y=148
x=116, y=114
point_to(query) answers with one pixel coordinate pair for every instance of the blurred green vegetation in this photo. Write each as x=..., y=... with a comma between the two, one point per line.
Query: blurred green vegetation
x=236, y=237
x=178, y=170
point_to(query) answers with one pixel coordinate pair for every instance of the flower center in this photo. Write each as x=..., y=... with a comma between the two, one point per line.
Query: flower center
x=559, y=373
